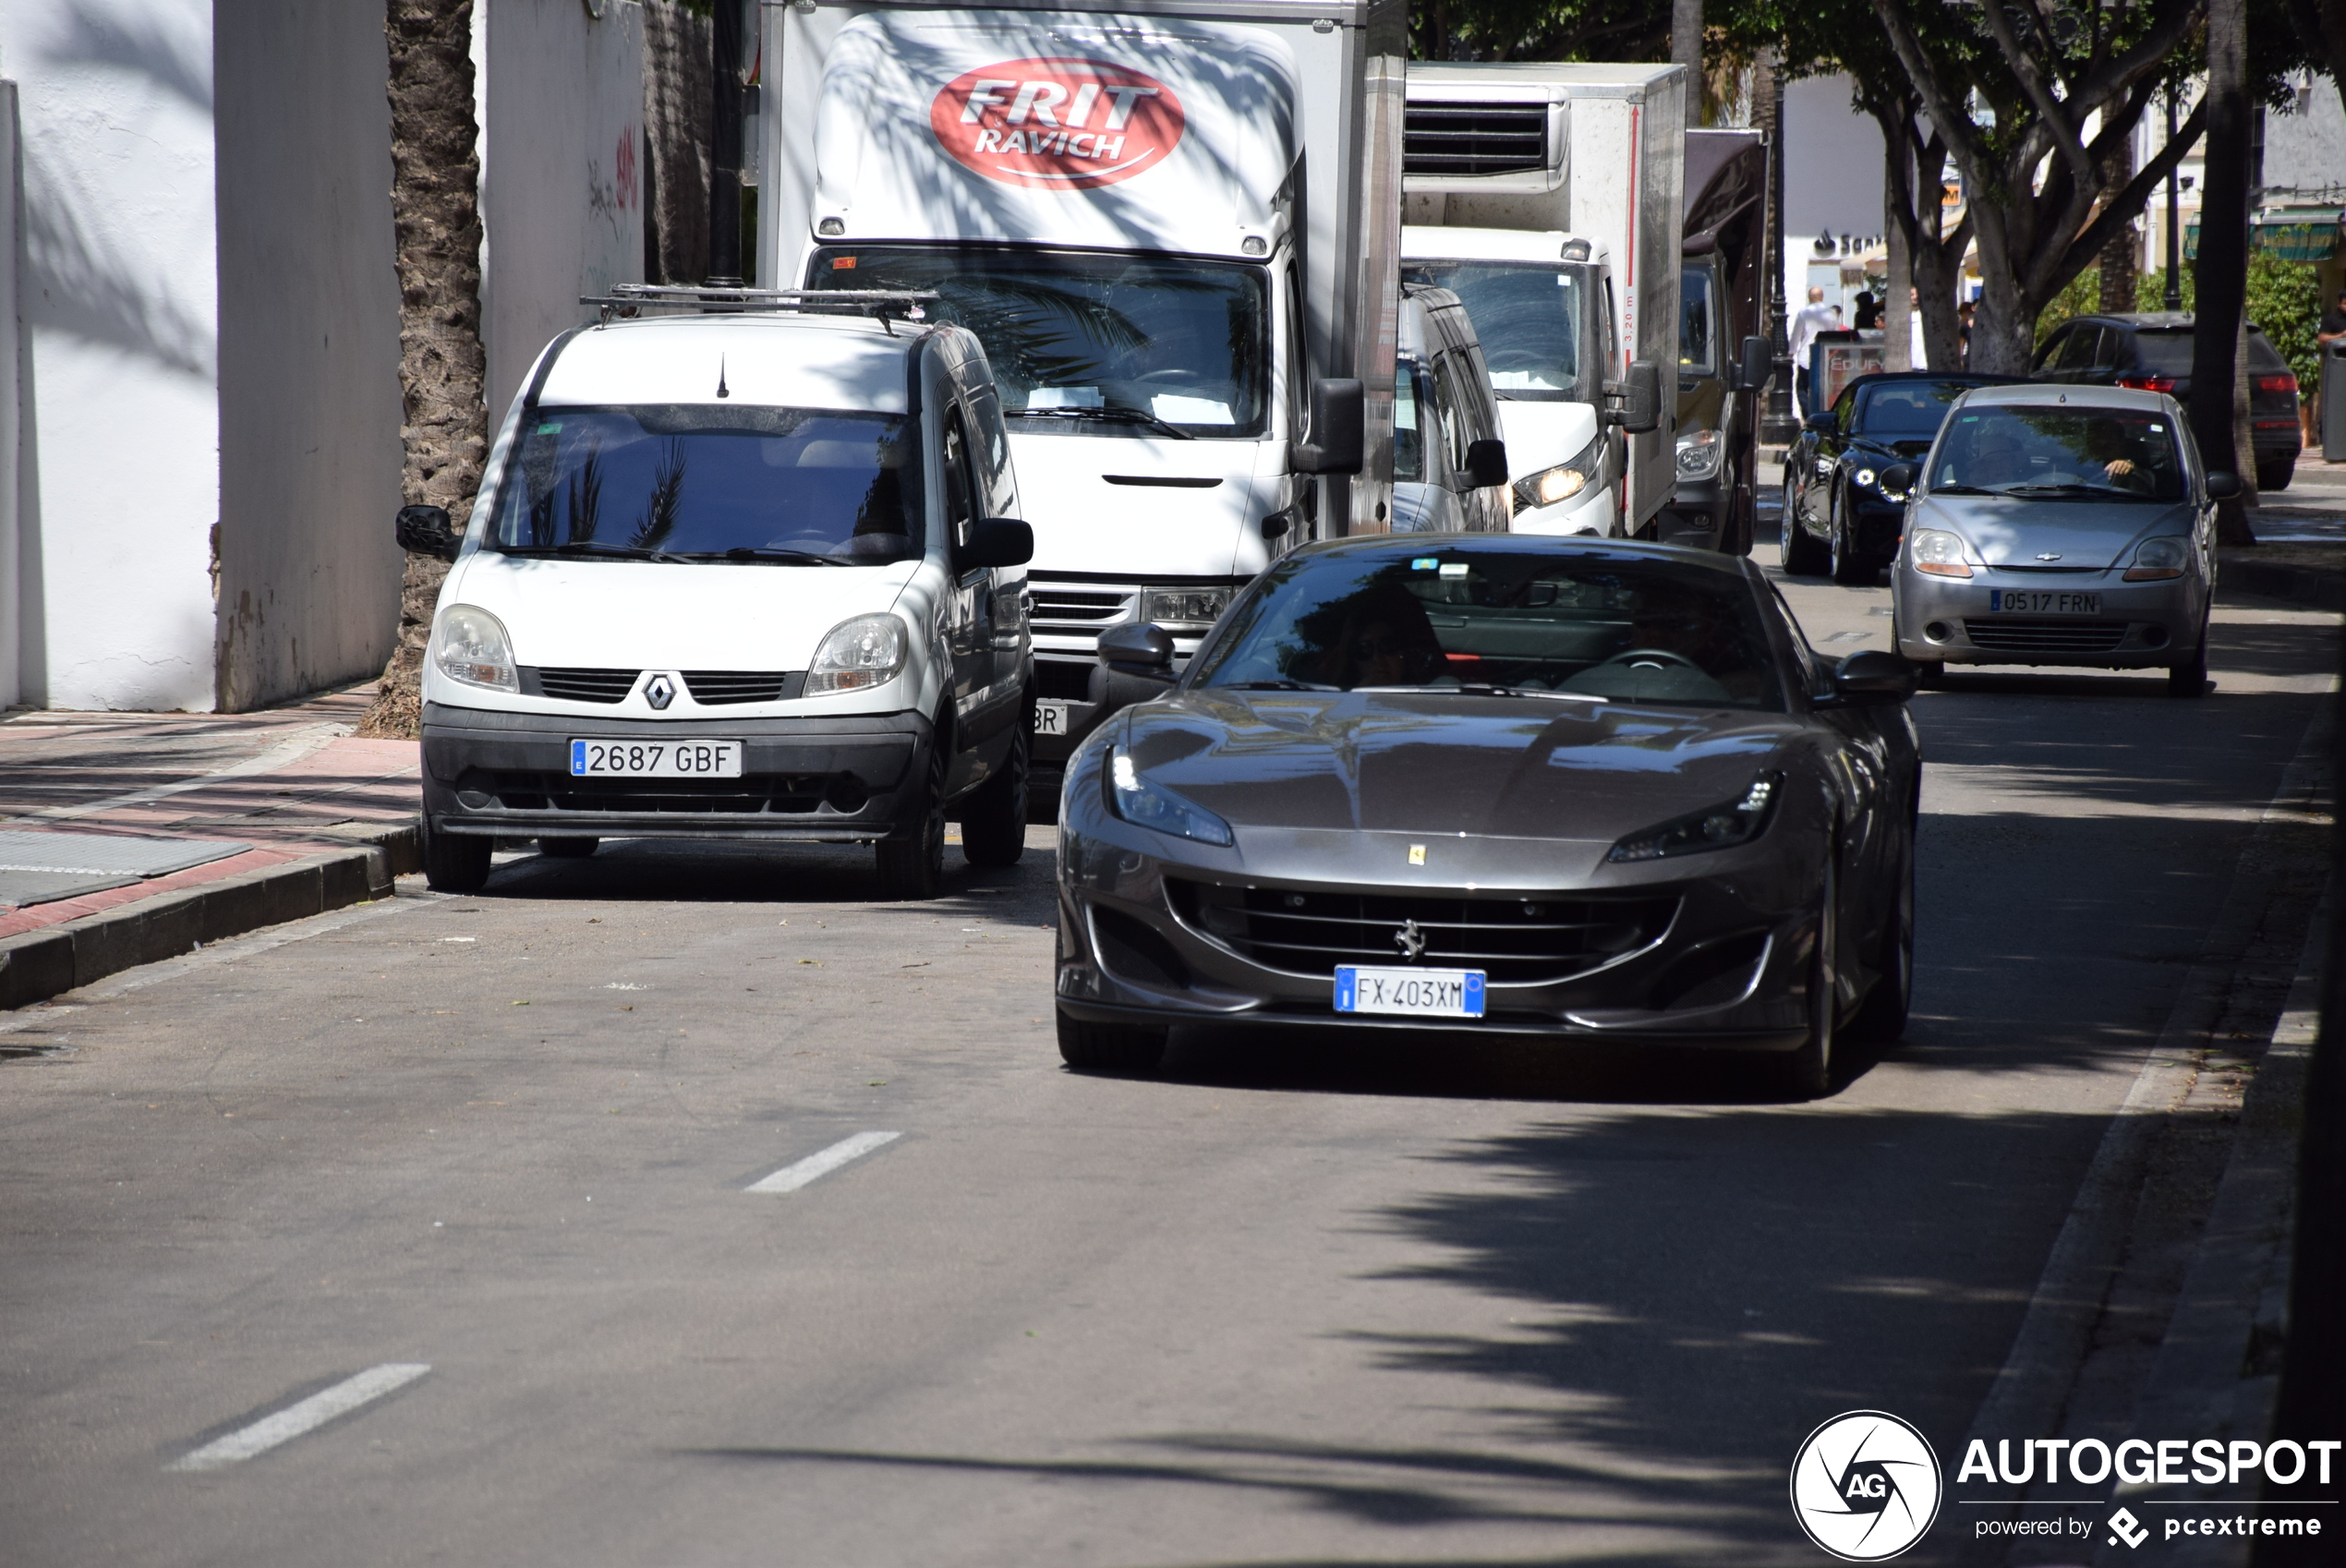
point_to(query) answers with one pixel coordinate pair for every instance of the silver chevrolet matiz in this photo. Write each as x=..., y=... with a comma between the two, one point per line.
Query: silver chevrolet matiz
x=2060, y=525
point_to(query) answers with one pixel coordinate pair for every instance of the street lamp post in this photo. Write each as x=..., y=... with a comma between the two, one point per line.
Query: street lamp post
x=2174, y=299
x=1777, y=426
x=725, y=147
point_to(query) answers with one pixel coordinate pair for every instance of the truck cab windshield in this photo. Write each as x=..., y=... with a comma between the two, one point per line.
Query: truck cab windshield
x=1532, y=318
x=689, y=482
x=1092, y=344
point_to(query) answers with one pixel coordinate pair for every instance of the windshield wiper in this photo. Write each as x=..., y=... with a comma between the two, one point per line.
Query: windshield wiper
x=2070, y=488
x=747, y=553
x=613, y=552
x=1273, y=686
x=1962, y=490
x=1488, y=689
x=1115, y=411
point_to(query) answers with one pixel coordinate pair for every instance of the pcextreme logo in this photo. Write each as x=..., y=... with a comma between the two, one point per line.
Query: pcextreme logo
x=1057, y=124
x=1865, y=1486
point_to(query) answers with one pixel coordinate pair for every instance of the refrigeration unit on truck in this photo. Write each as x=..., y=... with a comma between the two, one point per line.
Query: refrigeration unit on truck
x=1724, y=359
x=1175, y=231
x=1546, y=197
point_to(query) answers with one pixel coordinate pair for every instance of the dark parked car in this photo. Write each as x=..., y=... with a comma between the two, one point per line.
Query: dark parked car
x=2151, y=352
x=1837, y=518
x=1574, y=790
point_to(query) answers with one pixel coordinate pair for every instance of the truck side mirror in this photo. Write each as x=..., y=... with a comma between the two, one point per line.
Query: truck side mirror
x=1634, y=403
x=1486, y=462
x=1338, y=441
x=996, y=541
x=1756, y=367
x=425, y=530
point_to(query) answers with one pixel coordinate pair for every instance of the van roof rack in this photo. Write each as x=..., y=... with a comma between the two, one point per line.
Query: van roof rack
x=627, y=299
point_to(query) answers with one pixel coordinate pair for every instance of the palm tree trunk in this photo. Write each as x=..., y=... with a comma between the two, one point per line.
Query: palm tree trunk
x=435, y=207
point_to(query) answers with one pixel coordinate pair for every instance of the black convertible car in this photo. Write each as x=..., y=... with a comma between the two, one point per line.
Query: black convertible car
x=1579, y=789
x=1837, y=518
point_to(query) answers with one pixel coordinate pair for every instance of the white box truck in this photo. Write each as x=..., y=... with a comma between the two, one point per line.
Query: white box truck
x=1176, y=230
x=1546, y=197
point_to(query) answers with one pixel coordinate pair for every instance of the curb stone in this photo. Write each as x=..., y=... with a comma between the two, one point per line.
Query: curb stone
x=38, y=965
x=2301, y=584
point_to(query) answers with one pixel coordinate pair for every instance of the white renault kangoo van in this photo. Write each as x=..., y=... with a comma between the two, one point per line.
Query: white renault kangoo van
x=754, y=574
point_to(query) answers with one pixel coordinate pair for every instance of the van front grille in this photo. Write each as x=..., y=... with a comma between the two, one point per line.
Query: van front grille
x=582, y=685
x=716, y=688
x=1474, y=138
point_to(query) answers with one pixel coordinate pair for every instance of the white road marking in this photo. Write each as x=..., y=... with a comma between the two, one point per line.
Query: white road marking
x=790, y=1178
x=307, y=1415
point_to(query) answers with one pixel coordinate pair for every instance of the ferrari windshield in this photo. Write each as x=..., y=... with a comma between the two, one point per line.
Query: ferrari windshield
x=1906, y=411
x=691, y=481
x=2094, y=454
x=1092, y=344
x=1528, y=316
x=1615, y=627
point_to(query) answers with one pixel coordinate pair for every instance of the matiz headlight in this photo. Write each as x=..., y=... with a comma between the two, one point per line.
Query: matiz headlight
x=857, y=655
x=470, y=645
x=2158, y=560
x=1138, y=801
x=1722, y=827
x=1939, y=553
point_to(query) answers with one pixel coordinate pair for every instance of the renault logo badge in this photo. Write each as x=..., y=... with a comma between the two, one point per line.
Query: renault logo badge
x=660, y=690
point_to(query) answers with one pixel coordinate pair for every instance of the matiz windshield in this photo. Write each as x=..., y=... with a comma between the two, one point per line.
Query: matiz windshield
x=2097, y=454
x=690, y=482
x=1526, y=624
x=1092, y=344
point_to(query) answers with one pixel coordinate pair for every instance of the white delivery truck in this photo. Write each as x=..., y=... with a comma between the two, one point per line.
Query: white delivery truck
x=1176, y=230
x=1546, y=197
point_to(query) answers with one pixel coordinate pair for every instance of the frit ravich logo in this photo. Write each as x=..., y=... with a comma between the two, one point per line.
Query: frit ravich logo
x=1060, y=124
x=1865, y=1486
x=2124, y=1527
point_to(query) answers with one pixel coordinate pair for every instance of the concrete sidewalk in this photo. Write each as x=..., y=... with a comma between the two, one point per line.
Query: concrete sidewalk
x=300, y=815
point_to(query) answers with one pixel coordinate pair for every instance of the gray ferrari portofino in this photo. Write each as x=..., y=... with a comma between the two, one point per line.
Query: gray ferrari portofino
x=1578, y=788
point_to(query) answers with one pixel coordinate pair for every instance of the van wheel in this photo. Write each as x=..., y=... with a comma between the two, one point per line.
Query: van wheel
x=1110, y=1047
x=911, y=861
x=568, y=847
x=454, y=863
x=994, y=815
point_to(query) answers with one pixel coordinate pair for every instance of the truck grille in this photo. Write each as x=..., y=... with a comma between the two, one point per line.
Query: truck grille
x=1474, y=138
x=716, y=688
x=1520, y=940
x=582, y=685
x=2046, y=637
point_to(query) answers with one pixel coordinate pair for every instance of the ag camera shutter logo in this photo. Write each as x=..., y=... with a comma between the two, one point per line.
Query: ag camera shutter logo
x=1865, y=1486
x=1057, y=123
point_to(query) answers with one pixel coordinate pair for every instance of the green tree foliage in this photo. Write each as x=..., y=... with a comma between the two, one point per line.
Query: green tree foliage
x=1540, y=29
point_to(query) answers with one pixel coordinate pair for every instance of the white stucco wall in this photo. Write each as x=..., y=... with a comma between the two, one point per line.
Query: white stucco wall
x=11, y=577
x=562, y=186
x=310, y=400
x=2305, y=143
x=119, y=451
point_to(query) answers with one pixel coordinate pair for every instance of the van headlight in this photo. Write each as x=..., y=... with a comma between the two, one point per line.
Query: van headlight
x=1724, y=826
x=1564, y=480
x=470, y=645
x=1698, y=454
x=1938, y=552
x=1184, y=607
x=857, y=655
x=1137, y=800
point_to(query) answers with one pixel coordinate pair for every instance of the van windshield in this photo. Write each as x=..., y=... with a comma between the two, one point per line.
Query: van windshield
x=686, y=481
x=1529, y=317
x=1092, y=344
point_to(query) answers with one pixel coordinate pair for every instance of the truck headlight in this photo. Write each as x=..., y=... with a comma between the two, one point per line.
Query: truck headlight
x=1564, y=480
x=1938, y=552
x=471, y=645
x=857, y=655
x=1137, y=800
x=1184, y=607
x=1723, y=827
x=1698, y=454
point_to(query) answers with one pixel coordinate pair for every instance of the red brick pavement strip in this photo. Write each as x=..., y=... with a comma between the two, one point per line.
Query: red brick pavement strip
x=33, y=918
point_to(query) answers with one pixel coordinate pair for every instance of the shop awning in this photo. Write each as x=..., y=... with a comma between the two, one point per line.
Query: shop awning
x=2293, y=234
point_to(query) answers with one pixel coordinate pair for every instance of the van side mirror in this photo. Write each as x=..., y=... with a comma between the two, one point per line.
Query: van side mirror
x=1634, y=403
x=996, y=541
x=1755, y=367
x=2223, y=486
x=425, y=530
x=1486, y=462
x=1873, y=676
x=1338, y=441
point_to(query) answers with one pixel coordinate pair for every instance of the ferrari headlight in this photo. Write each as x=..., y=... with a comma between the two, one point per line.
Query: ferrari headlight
x=1698, y=454
x=1865, y=477
x=1564, y=480
x=857, y=655
x=1938, y=552
x=471, y=645
x=1184, y=607
x=1723, y=827
x=1136, y=799
x=2155, y=561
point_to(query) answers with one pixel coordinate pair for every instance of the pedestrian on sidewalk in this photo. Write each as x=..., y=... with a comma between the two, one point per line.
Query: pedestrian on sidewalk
x=1815, y=317
x=2309, y=399
x=1915, y=349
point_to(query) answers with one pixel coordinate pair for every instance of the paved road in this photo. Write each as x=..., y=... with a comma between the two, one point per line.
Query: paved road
x=1288, y=1303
